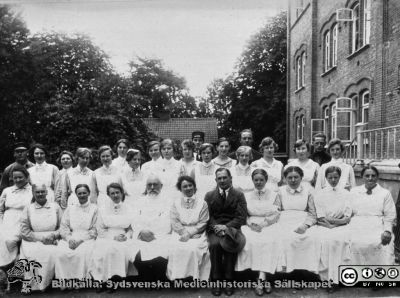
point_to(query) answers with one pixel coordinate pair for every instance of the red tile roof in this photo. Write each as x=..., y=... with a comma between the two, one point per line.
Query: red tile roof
x=182, y=128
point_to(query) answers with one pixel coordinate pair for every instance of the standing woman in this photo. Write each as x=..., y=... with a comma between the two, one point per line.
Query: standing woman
x=272, y=166
x=170, y=167
x=297, y=216
x=347, y=179
x=223, y=160
x=105, y=175
x=372, y=222
x=310, y=168
x=40, y=224
x=42, y=172
x=78, y=232
x=12, y=202
x=81, y=174
x=122, y=149
x=204, y=172
x=241, y=173
x=66, y=160
x=154, y=165
x=133, y=179
x=188, y=161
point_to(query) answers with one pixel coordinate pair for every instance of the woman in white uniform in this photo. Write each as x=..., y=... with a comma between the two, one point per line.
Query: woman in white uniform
x=272, y=166
x=40, y=224
x=154, y=165
x=188, y=248
x=42, y=172
x=122, y=149
x=66, y=160
x=133, y=179
x=223, y=160
x=78, y=233
x=188, y=161
x=170, y=168
x=13, y=200
x=241, y=173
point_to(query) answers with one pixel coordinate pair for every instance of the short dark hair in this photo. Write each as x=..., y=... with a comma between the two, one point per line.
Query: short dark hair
x=131, y=154
x=152, y=143
x=185, y=178
x=105, y=148
x=188, y=143
x=125, y=141
x=334, y=142
x=223, y=169
x=267, y=142
x=333, y=169
x=204, y=146
x=223, y=139
x=22, y=169
x=84, y=186
x=117, y=186
x=248, y=130
x=291, y=169
x=300, y=143
x=319, y=135
x=68, y=153
x=38, y=146
x=369, y=167
x=259, y=172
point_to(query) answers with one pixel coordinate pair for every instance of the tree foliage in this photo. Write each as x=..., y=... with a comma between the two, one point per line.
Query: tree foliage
x=254, y=95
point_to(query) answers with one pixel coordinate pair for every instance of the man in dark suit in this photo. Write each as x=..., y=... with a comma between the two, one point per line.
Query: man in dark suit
x=198, y=140
x=319, y=154
x=228, y=210
x=246, y=139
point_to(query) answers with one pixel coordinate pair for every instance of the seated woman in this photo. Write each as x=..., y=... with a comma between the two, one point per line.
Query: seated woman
x=133, y=179
x=188, y=247
x=310, y=168
x=78, y=232
x=297, y=217
x=347, y=179
x=112, y=247
x=241, y=173
x=333, y=214
x=42, y=172
x=13, y=200
x=40, y=223
x=372, y=221
x=223, y=160
x=262, y=247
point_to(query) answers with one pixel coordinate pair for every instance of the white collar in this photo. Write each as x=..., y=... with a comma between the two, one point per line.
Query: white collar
x=293, y=191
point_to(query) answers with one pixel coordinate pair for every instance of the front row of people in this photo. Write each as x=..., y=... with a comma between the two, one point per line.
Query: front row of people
x=266, y=231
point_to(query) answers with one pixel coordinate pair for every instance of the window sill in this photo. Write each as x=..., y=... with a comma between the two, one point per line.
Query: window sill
x=298, y=90
x=328, y=71
x=357, y=52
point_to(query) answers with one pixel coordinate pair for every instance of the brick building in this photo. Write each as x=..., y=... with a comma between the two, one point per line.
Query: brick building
x=344, y=77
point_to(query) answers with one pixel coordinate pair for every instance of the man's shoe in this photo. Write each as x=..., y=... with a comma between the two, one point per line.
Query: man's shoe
x=216, y=291
x=229, y=291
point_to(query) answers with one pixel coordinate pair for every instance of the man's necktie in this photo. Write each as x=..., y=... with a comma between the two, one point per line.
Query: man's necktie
x=223, y=196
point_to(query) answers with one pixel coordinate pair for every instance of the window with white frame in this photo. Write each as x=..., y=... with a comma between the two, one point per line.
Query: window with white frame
x=303, y=67
x=334, y=44
x=300, y=124
x=364, y=107
x=333, y=121
x=361, y=24
x=326, y=120
x=327, y=50
x=300, y=70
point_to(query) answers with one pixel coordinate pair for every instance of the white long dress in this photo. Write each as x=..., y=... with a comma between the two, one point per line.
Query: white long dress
x=300, y=251
x=274, y=171
x=78, y=223
x=205, y=178
x=120, y=163
x=111, y=257
x=262, y=250
x=347, y=179
x=372, y=215
x=170, y=171
x=13, y=200
x=74, y=177
x=134, y=184
x=189, y=258
x=152, y=213
x=310, y=170
x=38, y=222
x=241, y=178
x=46, y=174
x=187, y=167
x=104, y=176
x=152, y=166
x=335, y=242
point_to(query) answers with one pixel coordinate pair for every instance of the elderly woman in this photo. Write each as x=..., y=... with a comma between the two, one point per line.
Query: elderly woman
x=347, y=179
x=262, y=246
x=133, y=179
x=105, y=175
x=78, y=232
x=42, y=172
x=154, y=165
x=241, y=173
x=272, y=166
x=204, y=172
x=310, y=168
x=333, y=210
x=188, y=161
x=371, y=224
x=170, y=167
x=223, y=160
x=40, y=223
x=188, y=247
x=81, y=174
x=111, y=251
x=297, y=216
x=12, y=202
x=120, y=161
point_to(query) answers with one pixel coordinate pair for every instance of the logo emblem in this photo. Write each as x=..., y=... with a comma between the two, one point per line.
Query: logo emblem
x=349, y=276
x=380, y=273
x=392, y=273
x=26, y=272
x=367, y=273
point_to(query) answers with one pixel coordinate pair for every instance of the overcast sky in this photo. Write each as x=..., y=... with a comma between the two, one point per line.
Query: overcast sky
x=198, y=39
